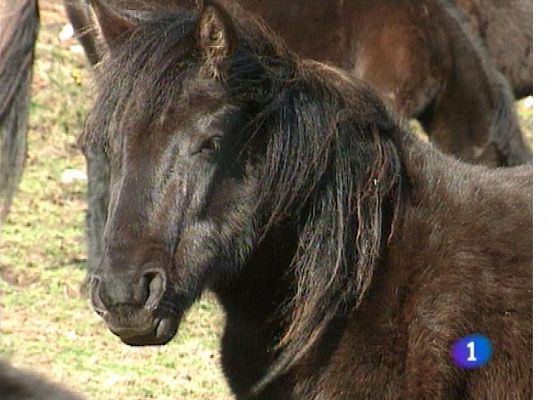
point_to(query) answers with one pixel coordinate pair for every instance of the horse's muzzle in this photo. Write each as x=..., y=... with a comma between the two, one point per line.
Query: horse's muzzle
x=144, y=323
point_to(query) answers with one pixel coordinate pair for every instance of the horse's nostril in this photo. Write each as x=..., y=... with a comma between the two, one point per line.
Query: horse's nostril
x=116, y=294
x=157, y=286
x=97, y=302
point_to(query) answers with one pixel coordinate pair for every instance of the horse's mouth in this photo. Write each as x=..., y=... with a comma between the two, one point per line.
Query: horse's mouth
x=143, y=329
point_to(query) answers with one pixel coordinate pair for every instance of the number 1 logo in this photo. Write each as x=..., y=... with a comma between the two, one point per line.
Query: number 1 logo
x=472, y=357
x=473, y=351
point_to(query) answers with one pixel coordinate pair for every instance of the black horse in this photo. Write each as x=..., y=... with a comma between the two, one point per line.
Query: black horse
x=431, y=59
x=347, y=253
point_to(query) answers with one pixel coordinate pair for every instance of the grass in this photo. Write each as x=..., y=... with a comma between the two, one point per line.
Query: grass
x=46, y=324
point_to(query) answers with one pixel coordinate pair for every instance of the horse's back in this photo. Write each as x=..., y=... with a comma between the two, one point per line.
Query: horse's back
x=467, y=244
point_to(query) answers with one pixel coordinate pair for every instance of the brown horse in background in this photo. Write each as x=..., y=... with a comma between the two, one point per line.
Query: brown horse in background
x=505, y=28
x=421, y=56
x=348, y=254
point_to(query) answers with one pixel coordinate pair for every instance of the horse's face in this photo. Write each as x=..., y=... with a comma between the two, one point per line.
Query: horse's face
x=179, y=198
x=181, y=213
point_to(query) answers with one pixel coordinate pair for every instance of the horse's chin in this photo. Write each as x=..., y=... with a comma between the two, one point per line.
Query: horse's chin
x=144, y=330
x=160, y=333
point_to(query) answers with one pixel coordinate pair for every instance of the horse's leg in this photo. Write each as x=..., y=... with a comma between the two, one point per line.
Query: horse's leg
x=393, y=54
x=18, y=31
x=428, y=372
x=79, y=15
x=476, y=126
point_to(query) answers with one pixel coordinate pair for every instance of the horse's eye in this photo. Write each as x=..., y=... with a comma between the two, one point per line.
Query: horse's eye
x=210, y=145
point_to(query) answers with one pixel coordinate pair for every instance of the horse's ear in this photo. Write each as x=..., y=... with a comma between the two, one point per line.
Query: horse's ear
x=216, y=35
x=114, y=25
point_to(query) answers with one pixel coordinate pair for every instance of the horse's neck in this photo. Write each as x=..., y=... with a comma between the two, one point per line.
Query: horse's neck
x=251, y=301
x=253, y=298
x=259, y=287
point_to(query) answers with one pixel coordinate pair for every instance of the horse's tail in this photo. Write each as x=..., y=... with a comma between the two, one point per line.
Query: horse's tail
x=19, y=22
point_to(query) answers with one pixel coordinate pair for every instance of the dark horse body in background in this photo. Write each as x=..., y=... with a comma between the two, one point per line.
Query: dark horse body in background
x=506, y=30
x=422, y=56
x=18, y=30
x=347, y=253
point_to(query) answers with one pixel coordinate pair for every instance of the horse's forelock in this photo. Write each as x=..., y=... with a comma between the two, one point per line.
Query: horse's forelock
x=141, y=77
x=138, y=80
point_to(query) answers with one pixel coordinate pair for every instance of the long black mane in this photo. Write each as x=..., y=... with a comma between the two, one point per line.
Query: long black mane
x=331, y=167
